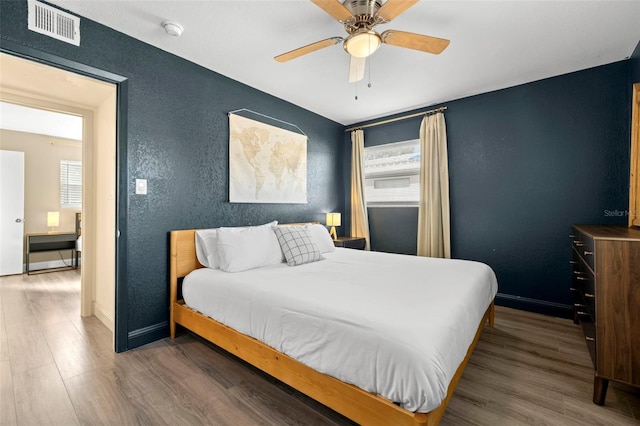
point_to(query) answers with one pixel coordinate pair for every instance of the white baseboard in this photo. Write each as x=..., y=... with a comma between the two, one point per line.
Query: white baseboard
x=50, y=264
x=103, y=316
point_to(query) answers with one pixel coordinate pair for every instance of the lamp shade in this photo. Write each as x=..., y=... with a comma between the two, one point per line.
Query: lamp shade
x=53, y=218
x=333, y=219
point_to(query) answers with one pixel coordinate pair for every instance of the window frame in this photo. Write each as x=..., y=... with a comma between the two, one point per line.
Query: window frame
x=70, y=184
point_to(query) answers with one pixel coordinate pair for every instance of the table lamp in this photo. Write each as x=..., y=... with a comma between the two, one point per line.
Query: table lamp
x=53, y=220
x=333, y=220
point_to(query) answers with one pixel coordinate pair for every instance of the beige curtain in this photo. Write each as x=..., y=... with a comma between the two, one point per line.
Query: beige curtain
x=359, y=217
x=433, y=215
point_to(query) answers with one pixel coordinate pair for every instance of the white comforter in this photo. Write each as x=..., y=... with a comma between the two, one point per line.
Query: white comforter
x=394, y=325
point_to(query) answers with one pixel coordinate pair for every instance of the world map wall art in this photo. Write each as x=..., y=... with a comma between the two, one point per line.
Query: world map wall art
x=267, y=164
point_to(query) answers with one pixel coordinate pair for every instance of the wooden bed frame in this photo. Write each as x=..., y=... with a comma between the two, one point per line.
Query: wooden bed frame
x=358, y=405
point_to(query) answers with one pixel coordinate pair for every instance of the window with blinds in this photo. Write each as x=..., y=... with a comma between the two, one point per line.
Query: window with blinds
x=70, y=184
x=392, y=174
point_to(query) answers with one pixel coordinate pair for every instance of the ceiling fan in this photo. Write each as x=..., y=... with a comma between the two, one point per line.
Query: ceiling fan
x=359, y=17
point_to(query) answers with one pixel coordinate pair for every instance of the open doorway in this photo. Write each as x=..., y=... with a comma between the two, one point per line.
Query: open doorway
x=48, y=178
x=36, y=85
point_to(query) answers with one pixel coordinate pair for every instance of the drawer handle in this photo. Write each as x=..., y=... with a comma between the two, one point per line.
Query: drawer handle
x=588, y=253
x=582, y=278
x=571, y=236
x=579, y=305
x=578, y=243
x=572, y=262
x=590, y=339
x=573, y=289
x=579, y=272
x=589, y=295
x=584, y=314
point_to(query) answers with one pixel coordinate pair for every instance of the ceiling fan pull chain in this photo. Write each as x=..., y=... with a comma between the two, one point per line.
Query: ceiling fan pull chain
x=369, y=67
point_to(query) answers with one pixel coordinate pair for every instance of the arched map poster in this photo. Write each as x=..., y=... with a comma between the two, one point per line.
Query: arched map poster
x=267, y=164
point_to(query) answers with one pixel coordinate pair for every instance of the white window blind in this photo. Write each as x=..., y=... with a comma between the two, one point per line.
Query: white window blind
x=70, y=184
x=392, y=174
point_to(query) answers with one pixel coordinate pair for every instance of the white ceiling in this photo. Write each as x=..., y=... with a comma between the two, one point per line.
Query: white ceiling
x=493, y=45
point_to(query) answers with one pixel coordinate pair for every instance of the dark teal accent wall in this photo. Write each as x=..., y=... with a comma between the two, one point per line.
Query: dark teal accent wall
x=177, y=139
x=387, y=223
x=525, y=163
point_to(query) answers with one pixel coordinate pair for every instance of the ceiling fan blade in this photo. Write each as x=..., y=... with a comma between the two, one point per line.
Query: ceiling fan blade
x=295, y=53
x=334, y=8
x=392, y=8
x=414, y=41
x=356, y=69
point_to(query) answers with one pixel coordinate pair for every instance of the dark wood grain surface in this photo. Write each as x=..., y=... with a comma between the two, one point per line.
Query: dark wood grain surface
x=606, y=292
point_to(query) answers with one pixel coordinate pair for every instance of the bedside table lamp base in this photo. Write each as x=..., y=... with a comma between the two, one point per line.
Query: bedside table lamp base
x=333, y=220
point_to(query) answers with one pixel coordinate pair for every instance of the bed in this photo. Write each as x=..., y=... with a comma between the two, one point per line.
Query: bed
x=267, y=318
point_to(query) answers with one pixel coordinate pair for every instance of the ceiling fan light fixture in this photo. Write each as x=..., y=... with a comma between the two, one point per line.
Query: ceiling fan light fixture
x=362, y=43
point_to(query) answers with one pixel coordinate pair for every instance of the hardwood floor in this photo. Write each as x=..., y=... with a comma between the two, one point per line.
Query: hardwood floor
x=57, y=368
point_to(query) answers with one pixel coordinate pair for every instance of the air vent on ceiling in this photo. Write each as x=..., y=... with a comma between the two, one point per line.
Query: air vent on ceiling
x=48, y=20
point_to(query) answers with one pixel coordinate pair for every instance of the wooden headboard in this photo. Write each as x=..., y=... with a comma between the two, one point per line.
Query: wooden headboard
x=182, y=260
x=183, y=253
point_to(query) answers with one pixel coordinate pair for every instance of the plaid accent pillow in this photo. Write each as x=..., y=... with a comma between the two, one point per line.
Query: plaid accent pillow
x=297, y=245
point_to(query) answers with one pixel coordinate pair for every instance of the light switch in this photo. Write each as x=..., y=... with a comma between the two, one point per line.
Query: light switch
x=141, y=186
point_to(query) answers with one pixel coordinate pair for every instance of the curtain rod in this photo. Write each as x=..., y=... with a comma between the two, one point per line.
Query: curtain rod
x=391, y=120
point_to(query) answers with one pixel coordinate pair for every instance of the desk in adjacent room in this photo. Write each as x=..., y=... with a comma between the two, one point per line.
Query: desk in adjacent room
x=53, y=241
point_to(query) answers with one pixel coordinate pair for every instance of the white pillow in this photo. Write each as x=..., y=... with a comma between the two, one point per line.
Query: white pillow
x=207, y=244
x=321, y=237
x=207, y=248
x=240, y=249
x=297, y=245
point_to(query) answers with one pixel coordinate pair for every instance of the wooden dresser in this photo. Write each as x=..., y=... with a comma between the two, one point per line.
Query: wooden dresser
x=606, y=295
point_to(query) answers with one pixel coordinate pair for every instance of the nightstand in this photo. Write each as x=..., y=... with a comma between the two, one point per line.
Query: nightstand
x=357, y=243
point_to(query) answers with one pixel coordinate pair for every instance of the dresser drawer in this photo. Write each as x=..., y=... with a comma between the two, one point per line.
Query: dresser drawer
x=584, y=303
x=584, y=246
x=589, y=330
x=583, y=287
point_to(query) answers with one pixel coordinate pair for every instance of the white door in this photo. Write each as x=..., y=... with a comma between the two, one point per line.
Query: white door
x=11, y=211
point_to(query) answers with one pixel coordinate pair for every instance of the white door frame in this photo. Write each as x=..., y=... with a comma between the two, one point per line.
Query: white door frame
x=121, y=313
